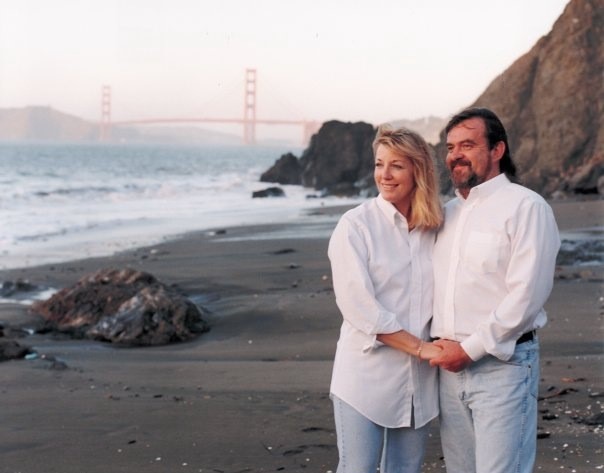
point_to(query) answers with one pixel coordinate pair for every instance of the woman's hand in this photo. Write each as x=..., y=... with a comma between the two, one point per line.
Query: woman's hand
x=429, y=351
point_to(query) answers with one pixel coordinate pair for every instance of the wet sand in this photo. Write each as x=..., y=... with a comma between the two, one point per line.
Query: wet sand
x=251, y=395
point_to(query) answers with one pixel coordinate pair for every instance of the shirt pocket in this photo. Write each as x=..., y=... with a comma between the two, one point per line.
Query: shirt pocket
x=482, y=252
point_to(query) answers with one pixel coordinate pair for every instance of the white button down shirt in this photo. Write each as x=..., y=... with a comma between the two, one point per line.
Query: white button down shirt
x=494, y=263
x=382, y=278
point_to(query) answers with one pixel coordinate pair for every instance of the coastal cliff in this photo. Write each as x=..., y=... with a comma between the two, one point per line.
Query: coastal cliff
x=551, y=101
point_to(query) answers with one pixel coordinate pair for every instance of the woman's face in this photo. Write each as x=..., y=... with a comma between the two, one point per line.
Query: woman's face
x=394, y=178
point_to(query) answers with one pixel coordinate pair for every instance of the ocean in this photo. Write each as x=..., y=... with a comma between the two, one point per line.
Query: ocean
x=65, y=202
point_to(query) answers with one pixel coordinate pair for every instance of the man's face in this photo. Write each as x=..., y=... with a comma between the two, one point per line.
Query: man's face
x=469, y=159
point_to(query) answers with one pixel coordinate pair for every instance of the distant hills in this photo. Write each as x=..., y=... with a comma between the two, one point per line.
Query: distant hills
x=45, y=124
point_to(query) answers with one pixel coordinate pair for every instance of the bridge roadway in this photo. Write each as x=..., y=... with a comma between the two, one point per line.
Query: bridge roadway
x=257, y=121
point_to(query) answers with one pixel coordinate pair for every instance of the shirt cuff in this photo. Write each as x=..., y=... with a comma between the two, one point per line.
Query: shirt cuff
x=385, y=323
x=372, y=344
x=473, y=347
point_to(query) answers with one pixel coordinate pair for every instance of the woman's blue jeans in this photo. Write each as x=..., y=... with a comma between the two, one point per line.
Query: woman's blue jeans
x=364, y=445
x=488, y=414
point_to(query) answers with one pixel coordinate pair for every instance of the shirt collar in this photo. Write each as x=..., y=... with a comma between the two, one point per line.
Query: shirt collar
x=389, y=210
x=486, y=189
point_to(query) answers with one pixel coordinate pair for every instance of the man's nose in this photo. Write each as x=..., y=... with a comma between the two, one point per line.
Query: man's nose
x=455, y=154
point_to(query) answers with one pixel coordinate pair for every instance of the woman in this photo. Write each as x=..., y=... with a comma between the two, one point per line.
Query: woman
x=384, y=394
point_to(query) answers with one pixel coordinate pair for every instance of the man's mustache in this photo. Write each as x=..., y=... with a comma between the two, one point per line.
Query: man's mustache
x=460, y=162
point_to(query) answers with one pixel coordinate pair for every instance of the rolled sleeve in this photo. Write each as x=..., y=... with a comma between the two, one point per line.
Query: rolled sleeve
x=353, y=286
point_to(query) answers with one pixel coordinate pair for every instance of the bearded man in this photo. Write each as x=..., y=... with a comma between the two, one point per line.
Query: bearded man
x=494, y=262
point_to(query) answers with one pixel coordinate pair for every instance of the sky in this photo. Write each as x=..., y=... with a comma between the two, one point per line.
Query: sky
x=351, y=60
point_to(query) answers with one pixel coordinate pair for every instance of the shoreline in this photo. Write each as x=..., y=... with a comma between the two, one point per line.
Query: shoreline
x=252, y=394
x=70, y=251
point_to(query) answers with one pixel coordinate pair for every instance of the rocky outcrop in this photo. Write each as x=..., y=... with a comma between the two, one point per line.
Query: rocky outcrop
x=551, y=101
x=125, y=307
x=339, y=160
x=286, y=170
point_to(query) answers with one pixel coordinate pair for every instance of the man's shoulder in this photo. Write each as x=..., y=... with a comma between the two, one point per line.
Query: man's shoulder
x=519, y=193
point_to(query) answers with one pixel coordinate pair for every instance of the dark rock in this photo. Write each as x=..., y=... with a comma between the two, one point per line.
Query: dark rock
x=10, y=349
x=338, y=161
x=573, y=252
x=585, y=179
x=596, y=419
x=125, y=306
x=340, y=154
x=287, y=170
x=283, y=251
x=10, y=288
x=269, y=192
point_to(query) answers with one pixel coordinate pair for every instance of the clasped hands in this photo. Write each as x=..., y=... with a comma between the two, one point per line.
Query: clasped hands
x=447, y=354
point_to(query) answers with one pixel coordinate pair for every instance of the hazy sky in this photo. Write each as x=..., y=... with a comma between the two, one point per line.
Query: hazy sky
x=371, y=60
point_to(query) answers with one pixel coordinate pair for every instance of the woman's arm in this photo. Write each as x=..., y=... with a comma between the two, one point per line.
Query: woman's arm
x=405, y=342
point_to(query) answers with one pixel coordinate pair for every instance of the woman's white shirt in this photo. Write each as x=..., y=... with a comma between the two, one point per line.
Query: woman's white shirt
x=383, y=283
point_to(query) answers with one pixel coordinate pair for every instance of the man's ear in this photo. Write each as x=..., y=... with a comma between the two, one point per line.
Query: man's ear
x=498, y=151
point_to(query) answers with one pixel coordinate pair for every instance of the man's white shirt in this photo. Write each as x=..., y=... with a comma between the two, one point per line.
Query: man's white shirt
x=494, y=262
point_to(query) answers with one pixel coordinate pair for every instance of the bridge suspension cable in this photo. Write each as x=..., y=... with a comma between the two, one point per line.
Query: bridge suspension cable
x=249, y=119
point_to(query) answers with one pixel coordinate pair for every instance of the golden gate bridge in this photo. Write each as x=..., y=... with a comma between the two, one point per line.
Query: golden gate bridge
x=249, y=120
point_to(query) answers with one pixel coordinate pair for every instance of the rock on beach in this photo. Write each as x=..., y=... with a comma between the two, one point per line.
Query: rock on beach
x=122, y=306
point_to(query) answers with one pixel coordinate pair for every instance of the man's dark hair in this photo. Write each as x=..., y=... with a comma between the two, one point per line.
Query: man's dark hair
x=495, y=133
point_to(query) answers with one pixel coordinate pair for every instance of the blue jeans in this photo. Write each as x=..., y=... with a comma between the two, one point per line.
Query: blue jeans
x=364, y=445
x=488, y=414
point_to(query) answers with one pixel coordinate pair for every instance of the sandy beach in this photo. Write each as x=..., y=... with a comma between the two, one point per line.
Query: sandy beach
x=251, y=395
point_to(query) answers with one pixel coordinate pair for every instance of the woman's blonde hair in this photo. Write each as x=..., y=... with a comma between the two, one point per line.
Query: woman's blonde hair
x=426, y=211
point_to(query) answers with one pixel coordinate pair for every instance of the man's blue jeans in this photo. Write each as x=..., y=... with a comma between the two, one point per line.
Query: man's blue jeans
x=364, y=445
x=488, y=414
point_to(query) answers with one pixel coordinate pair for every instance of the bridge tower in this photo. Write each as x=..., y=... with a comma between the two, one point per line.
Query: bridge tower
x=105, y=125
x=249, y=108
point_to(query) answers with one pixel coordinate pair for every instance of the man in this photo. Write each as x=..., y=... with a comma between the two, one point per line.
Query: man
x=494, y=263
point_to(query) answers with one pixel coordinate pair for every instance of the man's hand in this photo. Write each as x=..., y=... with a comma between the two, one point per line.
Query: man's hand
x=452, y=357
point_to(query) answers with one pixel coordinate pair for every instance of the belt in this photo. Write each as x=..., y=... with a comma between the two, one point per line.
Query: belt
x=526, y=337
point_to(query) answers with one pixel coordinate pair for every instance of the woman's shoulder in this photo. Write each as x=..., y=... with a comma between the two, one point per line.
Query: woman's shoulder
x=361, y=212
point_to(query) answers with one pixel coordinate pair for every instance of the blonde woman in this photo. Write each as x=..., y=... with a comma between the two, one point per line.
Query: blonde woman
x=383, y=390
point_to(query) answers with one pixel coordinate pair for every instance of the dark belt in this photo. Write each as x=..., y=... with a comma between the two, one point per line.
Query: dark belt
x=526, y=337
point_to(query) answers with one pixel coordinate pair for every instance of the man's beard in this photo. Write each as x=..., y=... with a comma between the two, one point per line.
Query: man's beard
x=467, y=181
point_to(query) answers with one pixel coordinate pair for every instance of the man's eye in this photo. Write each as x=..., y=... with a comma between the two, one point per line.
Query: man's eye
x=467, y=146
